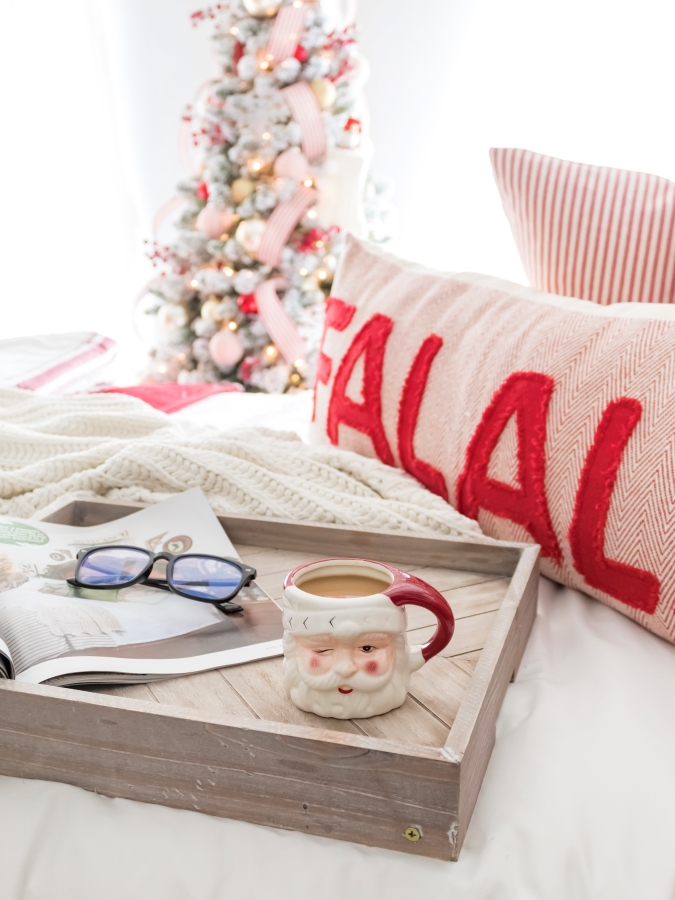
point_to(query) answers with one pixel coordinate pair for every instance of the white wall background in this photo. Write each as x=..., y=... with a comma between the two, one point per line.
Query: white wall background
x=92, y=92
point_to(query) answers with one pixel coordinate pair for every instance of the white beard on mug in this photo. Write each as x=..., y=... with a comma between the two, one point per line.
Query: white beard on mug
x=371, y=694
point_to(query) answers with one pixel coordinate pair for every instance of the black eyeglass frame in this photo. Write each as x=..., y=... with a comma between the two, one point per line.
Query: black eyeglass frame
x=248, y=573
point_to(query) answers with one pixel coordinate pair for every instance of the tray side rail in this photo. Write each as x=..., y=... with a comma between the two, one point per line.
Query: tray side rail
x=325, y=783
x=472, y=735
x=492, y=557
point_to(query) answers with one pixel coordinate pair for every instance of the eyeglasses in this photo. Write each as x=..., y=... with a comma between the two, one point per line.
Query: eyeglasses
x=198, y=576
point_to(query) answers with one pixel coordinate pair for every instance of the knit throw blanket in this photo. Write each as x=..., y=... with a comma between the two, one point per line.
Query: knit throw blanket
x=53, y=449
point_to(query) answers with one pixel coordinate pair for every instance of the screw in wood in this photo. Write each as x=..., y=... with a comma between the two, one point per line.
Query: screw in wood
x=412, y=833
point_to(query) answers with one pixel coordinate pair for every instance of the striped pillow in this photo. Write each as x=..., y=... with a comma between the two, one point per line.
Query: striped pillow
x=592, y=232
x=67, y=363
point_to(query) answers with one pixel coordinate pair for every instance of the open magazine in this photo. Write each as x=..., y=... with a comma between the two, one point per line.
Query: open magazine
x=53, y=632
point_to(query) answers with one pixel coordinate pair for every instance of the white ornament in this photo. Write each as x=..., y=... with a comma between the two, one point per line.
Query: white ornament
x=249, y=234
x=288, y=70
x=212, y=310
x=172, y=317
x=262, y=9
x=247, y=68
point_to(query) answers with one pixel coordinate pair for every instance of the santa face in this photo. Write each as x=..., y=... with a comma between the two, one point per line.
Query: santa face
x=346, y=676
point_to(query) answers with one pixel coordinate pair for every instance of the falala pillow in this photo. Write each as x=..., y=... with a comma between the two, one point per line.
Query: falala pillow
x=601, y=234
x=548, y=419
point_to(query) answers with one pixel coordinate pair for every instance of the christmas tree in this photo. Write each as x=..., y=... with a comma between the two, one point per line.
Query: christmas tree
x=281, y=175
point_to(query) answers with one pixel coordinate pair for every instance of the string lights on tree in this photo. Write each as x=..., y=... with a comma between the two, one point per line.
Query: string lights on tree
x=281, y=174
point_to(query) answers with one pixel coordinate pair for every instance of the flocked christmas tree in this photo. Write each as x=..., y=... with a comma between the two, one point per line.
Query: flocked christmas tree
x=282, y=174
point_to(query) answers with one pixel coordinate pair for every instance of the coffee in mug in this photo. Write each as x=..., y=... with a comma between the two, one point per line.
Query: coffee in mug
x=346, y=652
x=344, y=585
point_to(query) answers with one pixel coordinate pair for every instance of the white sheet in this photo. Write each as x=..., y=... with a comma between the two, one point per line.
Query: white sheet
x=578, y=802
x=285, y=412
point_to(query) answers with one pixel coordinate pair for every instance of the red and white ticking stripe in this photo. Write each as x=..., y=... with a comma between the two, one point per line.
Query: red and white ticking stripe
x=281, y=223
x=306, y=112
x=93, y=346
x=288, y=26
x=280, y=327
x=600, y=234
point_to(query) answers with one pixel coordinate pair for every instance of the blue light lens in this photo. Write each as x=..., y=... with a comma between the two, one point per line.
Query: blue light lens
x=112, y=566
x=204, y=578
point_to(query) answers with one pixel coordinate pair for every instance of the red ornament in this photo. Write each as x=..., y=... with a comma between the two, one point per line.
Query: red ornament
x=353, y=125
x=248, y=366
x=203, y=191
x=247, y=304
x=237, y=53
x=316, y=238
x=301, y=54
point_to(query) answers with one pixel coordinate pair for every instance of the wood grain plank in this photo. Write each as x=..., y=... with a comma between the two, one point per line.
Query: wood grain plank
x=410, y=723
x=277, y=562
x=468, y=661
x=467, y=601
x=470, y=634
x=133, y=691
x=260, y=684
x=204, y=691
x=444, y=579
x=440, y=687
x=249, y=550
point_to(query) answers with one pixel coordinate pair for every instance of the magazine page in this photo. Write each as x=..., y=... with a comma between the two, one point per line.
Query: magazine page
x=54, y=631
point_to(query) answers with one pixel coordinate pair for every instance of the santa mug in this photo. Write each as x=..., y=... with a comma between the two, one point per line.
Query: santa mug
x=346, y=653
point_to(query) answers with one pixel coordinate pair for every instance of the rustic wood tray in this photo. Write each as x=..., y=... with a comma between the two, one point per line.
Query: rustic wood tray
x=229, y=742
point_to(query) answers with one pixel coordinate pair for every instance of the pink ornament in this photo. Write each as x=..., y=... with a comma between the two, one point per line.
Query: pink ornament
x=225, y=348
x=214, y=222
x=292, y=163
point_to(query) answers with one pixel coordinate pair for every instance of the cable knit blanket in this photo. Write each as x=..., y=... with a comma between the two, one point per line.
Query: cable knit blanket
x=117, y=447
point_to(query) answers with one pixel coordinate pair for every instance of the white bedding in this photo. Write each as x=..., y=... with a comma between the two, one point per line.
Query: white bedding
x=578, y=802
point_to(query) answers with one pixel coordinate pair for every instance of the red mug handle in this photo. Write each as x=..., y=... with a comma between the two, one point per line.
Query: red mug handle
x=407, y=589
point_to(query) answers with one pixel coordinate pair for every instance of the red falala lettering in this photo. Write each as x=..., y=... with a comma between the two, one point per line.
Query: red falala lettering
x=370, y=342
x=408, y=413
x=338, y=316
x=636, y=588
x=525, y=395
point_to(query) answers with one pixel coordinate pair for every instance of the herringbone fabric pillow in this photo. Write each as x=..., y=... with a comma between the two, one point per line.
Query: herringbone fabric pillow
x=548, y=419
x=601, y=234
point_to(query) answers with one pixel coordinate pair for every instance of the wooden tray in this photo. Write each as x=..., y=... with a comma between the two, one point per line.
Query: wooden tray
x=229, y=742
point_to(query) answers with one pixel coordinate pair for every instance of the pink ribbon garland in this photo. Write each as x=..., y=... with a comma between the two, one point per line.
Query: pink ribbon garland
x=280, y=327
x=281, y=223
x=305, y=110
x=286, y=31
